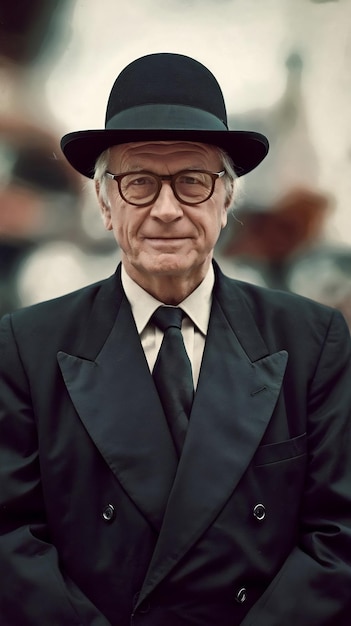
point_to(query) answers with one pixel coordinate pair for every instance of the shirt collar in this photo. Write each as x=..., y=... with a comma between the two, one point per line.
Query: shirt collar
x=197, y=305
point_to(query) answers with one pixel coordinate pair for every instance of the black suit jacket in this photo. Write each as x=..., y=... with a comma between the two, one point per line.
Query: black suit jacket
x=99, y=523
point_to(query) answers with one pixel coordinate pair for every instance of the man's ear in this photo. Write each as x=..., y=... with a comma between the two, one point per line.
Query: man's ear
x=224, y=217
x=104, y=205
x=230, y=196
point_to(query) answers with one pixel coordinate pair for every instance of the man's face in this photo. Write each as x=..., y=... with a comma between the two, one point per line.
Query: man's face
x=167, y=238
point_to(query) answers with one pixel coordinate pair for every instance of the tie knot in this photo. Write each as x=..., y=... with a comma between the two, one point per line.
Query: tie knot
x=167, y=316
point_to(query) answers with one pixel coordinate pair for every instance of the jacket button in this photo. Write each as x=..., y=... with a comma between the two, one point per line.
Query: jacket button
x=241, y=595
x=109, y=513
x=145, y=607
x=259, y=512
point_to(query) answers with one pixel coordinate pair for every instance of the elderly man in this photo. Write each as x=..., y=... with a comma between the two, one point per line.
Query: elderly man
x=174, y=444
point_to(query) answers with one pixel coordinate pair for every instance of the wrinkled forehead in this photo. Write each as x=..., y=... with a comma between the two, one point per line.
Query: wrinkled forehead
x=181, y=154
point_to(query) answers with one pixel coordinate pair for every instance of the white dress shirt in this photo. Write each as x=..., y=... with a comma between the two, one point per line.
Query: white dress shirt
x=197, y=306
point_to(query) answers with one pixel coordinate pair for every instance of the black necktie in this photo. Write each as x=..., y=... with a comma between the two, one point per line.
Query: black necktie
x=172, y=373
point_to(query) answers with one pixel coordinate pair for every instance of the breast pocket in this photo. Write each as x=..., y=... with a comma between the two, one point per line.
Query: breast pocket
x=281, y=451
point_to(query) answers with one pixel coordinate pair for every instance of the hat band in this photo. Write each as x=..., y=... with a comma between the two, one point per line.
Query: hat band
x=165, y=117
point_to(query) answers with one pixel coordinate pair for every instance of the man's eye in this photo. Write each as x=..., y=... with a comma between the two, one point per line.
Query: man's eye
x=189, y=180
x=142, y=180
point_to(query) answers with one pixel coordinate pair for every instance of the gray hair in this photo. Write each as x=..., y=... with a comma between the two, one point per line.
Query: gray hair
x=101, y=165
x=230, y=178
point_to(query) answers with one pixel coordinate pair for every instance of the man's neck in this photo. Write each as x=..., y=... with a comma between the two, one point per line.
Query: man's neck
x=169, y=289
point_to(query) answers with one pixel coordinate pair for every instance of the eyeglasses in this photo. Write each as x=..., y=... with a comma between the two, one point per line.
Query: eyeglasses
x=143, y=188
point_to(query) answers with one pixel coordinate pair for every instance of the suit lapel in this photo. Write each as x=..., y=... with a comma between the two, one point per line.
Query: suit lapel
x=238, y=389
x=115, y=398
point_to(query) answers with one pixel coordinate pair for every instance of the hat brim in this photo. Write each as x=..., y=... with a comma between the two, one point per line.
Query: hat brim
x=82, y=148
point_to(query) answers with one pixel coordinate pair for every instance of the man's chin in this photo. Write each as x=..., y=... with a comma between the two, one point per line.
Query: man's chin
x=168, y=267
x=166, y=264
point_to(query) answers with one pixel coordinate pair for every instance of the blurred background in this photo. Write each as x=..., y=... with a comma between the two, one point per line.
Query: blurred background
x=284, y=67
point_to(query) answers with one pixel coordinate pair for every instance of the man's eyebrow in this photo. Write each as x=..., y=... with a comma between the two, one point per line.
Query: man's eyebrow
x=134, y=168
x=143, y=168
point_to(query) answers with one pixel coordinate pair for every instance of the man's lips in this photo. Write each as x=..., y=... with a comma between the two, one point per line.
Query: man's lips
x=169, y=235
x=166, y=244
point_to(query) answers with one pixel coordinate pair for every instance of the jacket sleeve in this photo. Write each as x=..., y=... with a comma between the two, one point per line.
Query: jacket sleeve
x=33, y=588
x=313, y=586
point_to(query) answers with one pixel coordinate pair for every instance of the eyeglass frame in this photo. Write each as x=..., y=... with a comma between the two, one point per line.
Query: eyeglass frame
x=168, y=177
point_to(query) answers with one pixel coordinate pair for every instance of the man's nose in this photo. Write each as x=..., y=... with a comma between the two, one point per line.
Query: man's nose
x=166, y=207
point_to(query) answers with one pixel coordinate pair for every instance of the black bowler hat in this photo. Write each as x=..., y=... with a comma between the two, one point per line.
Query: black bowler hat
x=165, y=97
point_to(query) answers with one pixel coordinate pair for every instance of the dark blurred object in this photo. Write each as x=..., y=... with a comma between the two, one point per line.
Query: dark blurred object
x=36, y=169
x=27, y=27
x=40, y=199
x=39, y=193
x=269, y=240
x=295, y=222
